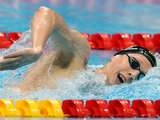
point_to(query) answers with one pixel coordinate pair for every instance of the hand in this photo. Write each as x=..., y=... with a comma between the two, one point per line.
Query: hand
x=19, y=58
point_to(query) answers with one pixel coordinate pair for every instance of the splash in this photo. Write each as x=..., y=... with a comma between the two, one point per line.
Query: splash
x=84, y=85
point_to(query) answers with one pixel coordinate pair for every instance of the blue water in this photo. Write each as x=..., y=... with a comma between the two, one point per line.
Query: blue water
x=88, y=16
x=91, y=16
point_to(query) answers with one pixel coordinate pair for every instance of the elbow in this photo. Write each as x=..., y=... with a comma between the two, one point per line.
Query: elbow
x=46, y=10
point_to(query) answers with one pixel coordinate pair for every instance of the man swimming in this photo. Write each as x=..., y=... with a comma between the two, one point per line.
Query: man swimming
x=72, y=56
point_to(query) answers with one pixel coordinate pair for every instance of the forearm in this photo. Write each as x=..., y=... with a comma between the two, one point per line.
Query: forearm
x=43, y=23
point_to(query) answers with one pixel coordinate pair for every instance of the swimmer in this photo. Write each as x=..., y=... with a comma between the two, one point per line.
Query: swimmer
x=72, y=56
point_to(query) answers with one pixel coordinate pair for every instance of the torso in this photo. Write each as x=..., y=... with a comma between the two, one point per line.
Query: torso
x=56, y=65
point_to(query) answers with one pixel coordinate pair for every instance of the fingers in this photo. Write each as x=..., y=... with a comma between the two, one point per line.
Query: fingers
x=12, y=55
x=17, y=59
x=17, y=53
x=9, y=62
x=10, y=66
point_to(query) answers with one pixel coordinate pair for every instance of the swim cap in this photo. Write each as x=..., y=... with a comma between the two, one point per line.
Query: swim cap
x=140, y=50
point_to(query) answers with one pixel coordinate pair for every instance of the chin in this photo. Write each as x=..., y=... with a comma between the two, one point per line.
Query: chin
x=109, y=83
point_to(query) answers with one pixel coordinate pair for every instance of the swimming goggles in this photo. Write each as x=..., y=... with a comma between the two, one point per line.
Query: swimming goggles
x=135, y=65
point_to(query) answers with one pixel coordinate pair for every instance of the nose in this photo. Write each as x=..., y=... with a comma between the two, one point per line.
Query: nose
x=133, y=73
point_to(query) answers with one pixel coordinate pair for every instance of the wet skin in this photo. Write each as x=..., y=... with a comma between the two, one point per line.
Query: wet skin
x=72, y=55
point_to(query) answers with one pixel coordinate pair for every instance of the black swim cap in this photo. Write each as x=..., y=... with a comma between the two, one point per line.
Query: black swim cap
x=140, y=50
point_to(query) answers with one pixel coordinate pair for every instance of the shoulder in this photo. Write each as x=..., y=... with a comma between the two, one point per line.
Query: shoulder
x=80, y=42
x=81, y=46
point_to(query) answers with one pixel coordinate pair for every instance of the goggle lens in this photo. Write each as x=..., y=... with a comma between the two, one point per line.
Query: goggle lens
x=136, y=66
x=134, y=63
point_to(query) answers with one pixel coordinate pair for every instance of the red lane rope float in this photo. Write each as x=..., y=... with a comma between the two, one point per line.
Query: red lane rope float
x=98, y=108
x=156, y=40
x=75, y=108
x=144, y=108
x=122, y=40
x=3, y=42
x=157, y=107
x=120, y=108
x=144, y=40
x=103, y=41
x=14, y=35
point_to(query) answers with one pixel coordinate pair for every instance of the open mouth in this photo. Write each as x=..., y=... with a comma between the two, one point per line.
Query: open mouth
x=121, y=78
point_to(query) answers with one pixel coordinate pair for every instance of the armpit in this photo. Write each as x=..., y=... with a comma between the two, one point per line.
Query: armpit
x=63, y=60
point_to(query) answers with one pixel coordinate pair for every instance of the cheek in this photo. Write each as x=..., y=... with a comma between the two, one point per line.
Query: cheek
x=121, y=65
x=145, y=66
x=145, y=69
x=115, y=68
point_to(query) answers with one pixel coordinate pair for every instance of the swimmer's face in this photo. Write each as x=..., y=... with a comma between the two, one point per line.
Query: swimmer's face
x=118, y=70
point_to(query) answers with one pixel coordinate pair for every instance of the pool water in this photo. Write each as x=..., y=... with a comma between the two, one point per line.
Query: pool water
x=87, y=16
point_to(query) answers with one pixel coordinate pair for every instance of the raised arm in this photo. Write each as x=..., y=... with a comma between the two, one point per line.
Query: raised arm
x=47, y=23
x=44, y=23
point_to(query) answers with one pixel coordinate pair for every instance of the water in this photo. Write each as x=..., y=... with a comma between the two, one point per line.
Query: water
x=91, y=16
